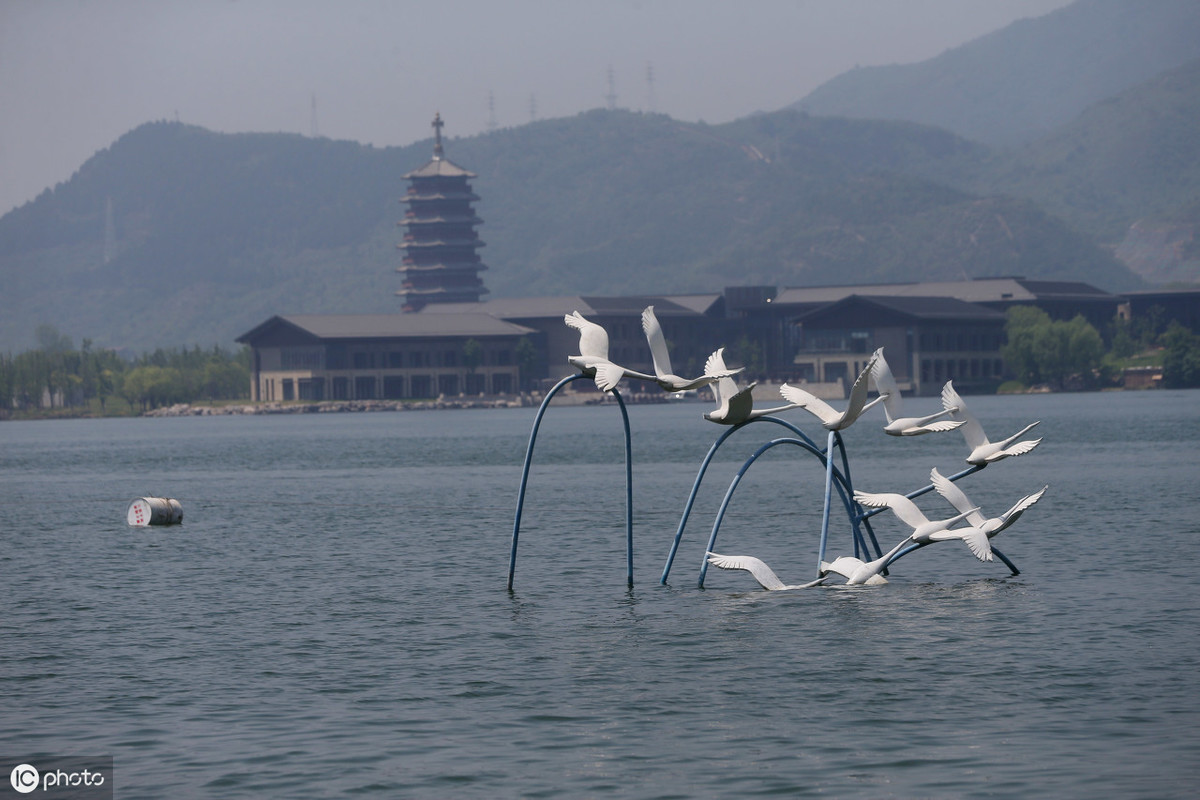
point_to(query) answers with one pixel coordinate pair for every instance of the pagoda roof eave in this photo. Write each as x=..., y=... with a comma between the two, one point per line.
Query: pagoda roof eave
x=439, y=168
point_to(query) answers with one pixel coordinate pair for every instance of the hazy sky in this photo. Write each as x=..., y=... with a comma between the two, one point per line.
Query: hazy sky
x=77, y=74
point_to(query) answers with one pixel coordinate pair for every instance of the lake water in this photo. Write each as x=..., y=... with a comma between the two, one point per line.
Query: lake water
x=332, y=619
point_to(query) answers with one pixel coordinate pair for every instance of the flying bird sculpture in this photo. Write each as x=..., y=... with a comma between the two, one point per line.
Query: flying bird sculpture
x=898, y=424
x=925, y=530
x=833, y=420
x=858, y=572
x=765, y=576
x=734, y=406
x=663, y=375
x=990, y=527
x=592, y=360
x=983, y=450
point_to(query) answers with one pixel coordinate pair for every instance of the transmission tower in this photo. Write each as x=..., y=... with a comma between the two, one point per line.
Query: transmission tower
x=611, y=97
x=492, y=124
x=312, y=118
x=651, y=101
x=110, y=232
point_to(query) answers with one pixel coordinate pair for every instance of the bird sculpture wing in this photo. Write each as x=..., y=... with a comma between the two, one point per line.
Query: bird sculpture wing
x=979, y=542
x=741, y=405
x=885, y=384
x=593, y=339
x=608, y=375
x=725, y=388
x=756, y=567
x=972, y=431
x=943, y=425
x=954, y=495
x=858, y=392
x=906, y=510
x=1011, y=516
x=657, y=342
x=976, y=539
x=1021, y=448
x=809, y=402
x=846, y=566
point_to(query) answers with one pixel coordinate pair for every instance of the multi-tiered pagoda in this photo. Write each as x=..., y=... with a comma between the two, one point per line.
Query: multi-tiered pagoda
x=440, y=264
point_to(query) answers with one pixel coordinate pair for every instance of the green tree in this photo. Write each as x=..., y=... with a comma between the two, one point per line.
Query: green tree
x=472, y=355
x=527, y=359
x=1059, y=353
x=1181, y=357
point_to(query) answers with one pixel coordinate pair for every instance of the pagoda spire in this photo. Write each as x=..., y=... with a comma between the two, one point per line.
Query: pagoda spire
x=438, y=152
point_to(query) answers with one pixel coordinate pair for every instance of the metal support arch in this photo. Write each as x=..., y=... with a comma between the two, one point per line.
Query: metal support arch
x=537, y=421
x=712, y=451
x=844, y=491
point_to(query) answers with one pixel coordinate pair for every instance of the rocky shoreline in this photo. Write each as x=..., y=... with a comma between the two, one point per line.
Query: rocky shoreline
x=355, y=406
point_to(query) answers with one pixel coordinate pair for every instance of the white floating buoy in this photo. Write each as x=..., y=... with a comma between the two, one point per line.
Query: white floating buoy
x=154, y=511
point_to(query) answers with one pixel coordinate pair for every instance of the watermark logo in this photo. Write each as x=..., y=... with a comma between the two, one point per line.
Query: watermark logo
x=24, y=778
x=62, y=777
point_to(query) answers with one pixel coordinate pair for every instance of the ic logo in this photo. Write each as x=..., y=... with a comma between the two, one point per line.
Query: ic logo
x=24, y=778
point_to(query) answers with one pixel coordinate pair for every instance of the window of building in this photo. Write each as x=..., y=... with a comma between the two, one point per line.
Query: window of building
x=311, y=388
x=364, y=387
x=476, y=383
x=421, y=386
x=448, y=385
x=393, y=386
x=502, y=383
x=289, y=392
x=300, y=358
x=395, y=359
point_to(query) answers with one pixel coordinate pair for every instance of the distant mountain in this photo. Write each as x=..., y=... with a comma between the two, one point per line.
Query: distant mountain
x=1132, y=156
x=212, y=233
x=1020, y=82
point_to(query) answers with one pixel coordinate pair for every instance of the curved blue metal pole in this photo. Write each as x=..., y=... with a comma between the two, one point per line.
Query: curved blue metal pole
x=537, y=421
x=712, y=538
x=853, y=509
x=687, y=508
x=628, y=490
x=828, y=491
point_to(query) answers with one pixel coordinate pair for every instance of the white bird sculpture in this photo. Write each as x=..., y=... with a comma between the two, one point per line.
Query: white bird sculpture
x=898, y=424
x=925, y=530
x=990, y=527
x=663, y=375
x=858, y=572
x=830, y=419
x=592, y=360
x=765, y=576
x=984, y=451
x=734, y=406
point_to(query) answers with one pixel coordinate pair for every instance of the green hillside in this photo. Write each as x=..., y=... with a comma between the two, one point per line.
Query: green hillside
x=1019, y=83
x=1133, y=156
x=216, y=232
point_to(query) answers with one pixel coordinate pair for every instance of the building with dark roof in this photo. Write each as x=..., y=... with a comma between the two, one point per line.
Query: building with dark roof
x=440, y=263
x=694, y=326
x=1159, y=307
x=385, y=356
x=931, y=332
x=927, y=341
